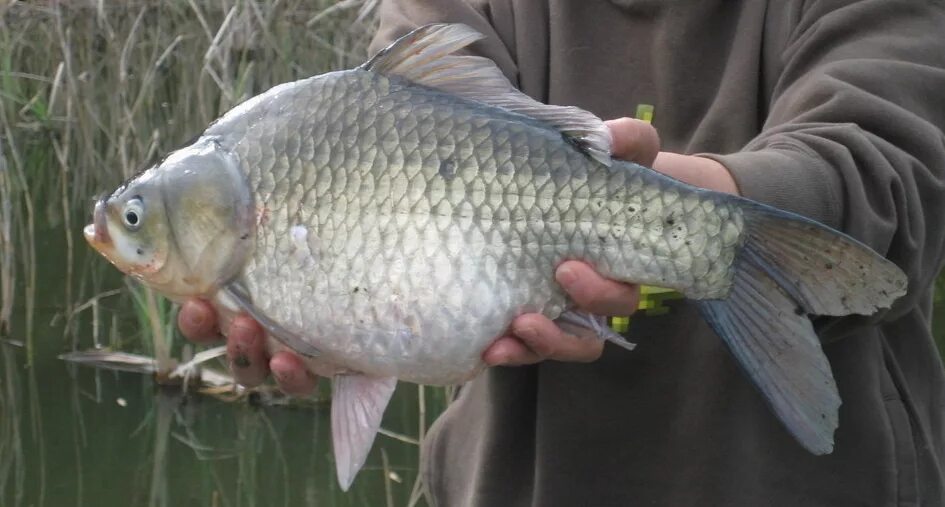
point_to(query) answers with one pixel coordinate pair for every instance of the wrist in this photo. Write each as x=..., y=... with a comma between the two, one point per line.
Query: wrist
x=698, y=171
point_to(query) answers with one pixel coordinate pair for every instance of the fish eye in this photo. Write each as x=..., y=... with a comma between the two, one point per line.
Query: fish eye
x=133, y=214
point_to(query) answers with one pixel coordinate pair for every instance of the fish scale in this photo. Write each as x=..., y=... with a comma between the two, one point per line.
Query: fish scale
x=439, y=193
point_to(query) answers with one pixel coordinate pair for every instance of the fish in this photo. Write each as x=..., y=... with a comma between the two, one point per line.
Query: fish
x=389, y=221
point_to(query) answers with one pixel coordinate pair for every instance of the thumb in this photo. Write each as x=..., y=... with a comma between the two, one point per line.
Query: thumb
x=634, y=140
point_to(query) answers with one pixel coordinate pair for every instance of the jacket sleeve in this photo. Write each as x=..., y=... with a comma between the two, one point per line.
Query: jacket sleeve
x=397, y=17
x=853, y=136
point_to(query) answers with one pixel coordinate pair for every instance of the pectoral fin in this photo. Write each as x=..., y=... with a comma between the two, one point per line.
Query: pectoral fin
x=357, y=406
x=293, y=341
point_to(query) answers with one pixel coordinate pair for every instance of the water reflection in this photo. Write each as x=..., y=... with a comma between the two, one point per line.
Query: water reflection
x=79, y=436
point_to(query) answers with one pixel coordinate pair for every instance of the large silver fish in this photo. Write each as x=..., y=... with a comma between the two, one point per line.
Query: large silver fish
x=388, y=222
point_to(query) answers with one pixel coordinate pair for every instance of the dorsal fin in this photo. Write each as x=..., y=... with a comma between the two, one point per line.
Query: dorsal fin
x=425, y=56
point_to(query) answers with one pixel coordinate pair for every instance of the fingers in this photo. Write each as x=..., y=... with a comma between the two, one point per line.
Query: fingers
x=634, y=140
x=198, y=322
x=509, y=351
x=594, y=293
x=246, y=351
x=548, y=341
x=536, y=338
x=291, y=374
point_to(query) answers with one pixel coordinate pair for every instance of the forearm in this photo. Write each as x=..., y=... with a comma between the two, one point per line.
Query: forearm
x=853, y=137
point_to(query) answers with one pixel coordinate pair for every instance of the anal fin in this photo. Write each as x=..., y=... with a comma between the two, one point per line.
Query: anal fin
x=357, y=406
x=593, y=323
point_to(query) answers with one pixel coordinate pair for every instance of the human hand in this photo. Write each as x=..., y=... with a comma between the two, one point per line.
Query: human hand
x=637, y=141
x=245, y=349
x=532, y=337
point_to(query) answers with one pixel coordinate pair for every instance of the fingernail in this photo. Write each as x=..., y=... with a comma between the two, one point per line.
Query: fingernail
x=566, y=276
x=527, y=332
x=495, y=358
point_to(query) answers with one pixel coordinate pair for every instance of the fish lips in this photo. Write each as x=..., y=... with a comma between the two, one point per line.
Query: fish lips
x=96, y=233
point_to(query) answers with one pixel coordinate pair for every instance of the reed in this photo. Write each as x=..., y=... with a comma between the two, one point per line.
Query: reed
x=91, y=92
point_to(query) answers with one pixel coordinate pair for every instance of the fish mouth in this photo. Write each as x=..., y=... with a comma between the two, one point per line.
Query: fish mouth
x=96, y=233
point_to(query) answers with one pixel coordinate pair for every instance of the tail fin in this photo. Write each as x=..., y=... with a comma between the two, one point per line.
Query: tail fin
x=790, y=267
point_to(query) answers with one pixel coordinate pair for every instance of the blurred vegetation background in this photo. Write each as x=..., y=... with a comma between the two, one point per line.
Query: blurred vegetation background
x=91, y=92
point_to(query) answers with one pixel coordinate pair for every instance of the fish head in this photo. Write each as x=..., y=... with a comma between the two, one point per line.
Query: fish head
x=130, y=227
x=183, y=227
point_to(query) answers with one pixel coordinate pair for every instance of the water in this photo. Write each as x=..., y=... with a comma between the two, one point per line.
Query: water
x=80, y=436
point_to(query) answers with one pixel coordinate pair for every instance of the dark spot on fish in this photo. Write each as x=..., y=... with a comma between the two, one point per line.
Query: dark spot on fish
x=448, y=169
x=356, y=289
x=631, y=209
x=140, y=251
x=241, y=361
x=798, y=310
x=244, y=236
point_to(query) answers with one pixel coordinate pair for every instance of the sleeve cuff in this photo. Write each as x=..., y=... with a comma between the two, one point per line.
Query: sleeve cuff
x=788, y=178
